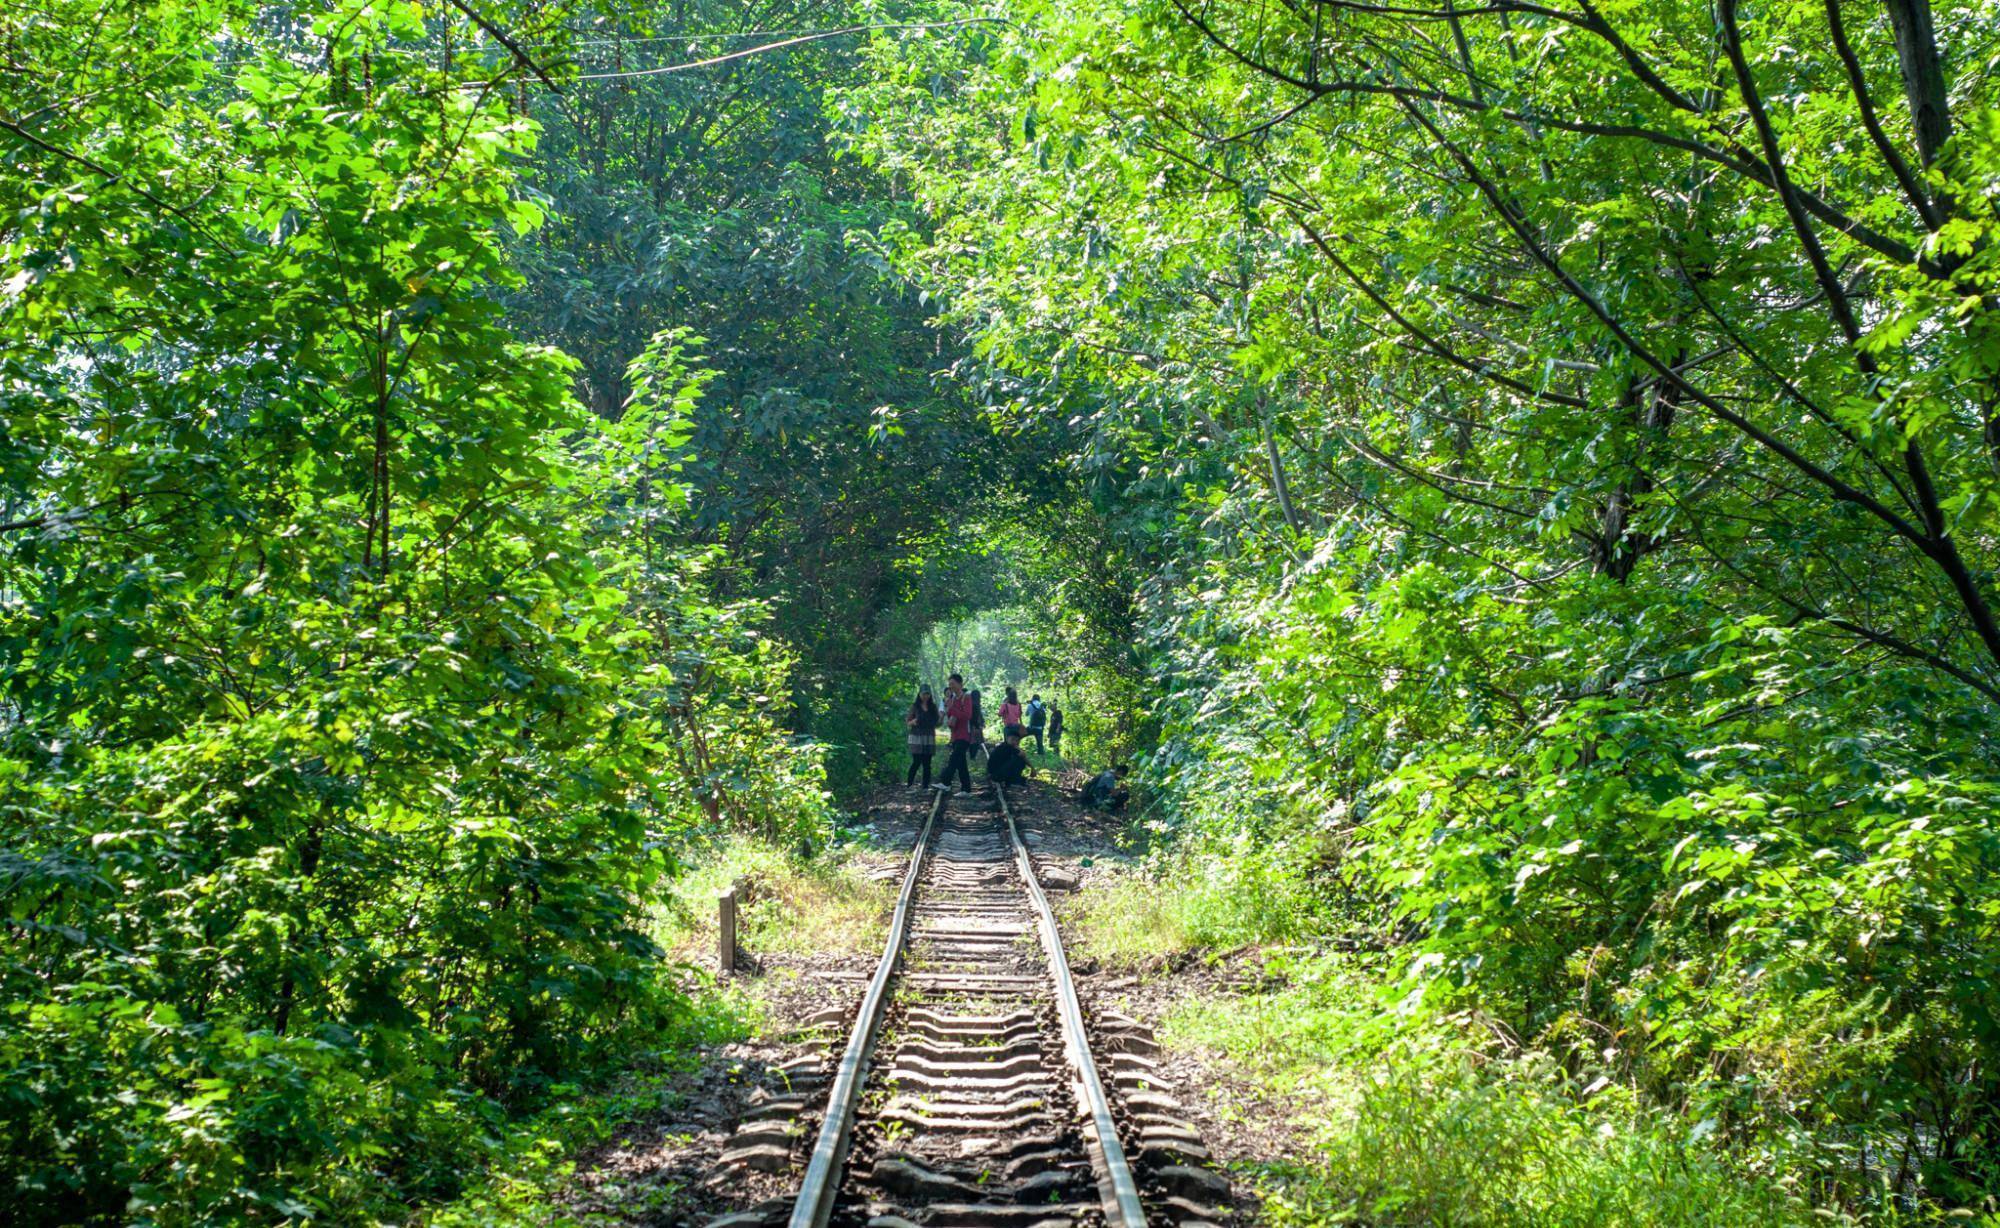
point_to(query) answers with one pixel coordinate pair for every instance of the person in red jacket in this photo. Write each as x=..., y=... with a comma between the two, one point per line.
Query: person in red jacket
x=958, y=714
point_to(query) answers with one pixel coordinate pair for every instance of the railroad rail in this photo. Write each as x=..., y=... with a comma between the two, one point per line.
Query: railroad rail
x=987, y=1107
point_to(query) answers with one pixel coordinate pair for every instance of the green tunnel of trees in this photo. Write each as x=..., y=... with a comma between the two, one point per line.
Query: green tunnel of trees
x=1522, y=483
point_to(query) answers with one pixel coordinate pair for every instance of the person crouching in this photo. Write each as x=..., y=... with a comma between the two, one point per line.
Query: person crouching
x=1007, y=763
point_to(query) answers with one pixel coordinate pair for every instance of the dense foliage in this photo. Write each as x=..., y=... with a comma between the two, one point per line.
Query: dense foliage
x=826, y=464
x=1562, y=440
x=1526, y=473
x=356, y=686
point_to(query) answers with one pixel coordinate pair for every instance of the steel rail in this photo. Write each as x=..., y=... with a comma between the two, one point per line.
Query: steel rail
x=822, y=1179
x=1122, y=1208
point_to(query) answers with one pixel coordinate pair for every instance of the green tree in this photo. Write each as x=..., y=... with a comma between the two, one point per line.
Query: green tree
x=1558, y=442
x=828, y=465
x=335, y=772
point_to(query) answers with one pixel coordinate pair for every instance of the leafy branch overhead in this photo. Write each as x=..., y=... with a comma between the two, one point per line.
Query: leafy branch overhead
x=1519, y=482
x=1569, y=439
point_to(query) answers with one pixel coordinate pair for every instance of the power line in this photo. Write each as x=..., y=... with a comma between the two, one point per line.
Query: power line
x=713, y=36
x=505, y=40
x=789, y=42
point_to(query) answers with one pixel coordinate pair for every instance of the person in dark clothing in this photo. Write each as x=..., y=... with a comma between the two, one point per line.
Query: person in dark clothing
x=922, y=722
x=978, y=725
x=1008, y=764
x=958, y=715
x=1106, y=790
x=1038, y=716
x=1055, y=727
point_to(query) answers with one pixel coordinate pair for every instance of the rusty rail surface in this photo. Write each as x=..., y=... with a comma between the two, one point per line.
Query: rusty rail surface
x=823, y=1171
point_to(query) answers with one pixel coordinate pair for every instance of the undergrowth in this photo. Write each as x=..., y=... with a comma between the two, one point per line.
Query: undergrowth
x=1396, y=1117
x=1217, y=902
x=530, y=1182
x=824, y=905
x=1401, y=1127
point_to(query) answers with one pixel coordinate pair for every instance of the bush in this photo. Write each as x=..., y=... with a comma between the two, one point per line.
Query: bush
x=1776, y=926
x=354, y=693
x=1402, y=1123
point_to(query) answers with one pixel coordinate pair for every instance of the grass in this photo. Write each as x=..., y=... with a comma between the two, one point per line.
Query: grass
x=1394, y=1125
x=825, y=906
x=1127, y=921
x=1201, y=902
x=1388, y=1119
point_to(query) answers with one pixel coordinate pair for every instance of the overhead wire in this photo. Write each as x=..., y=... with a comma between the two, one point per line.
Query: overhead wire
x=518, y=51
x=814, y=37
x=712, y=36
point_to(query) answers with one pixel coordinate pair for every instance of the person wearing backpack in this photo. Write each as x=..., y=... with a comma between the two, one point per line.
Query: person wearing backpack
x=1038, y=716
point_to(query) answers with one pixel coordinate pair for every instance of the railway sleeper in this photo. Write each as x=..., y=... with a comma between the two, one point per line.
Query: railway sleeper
x=966, y=1122
x=1031, y=1062
x=981, y=943
x=1131, y=1081
x=1041, y=1160
x=984, y=1023
x=1014, y=1147
x=883, y=1215
x=918, y=1081
x=759, y=1157
x=949, y=1045
x=906, y=1178
x=1025, y=1041
x=999, y=1215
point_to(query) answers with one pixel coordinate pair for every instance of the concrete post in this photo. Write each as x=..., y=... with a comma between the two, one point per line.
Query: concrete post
x=725, y=931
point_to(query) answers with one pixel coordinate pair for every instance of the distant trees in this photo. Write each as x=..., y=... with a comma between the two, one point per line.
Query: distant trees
x=826, y=457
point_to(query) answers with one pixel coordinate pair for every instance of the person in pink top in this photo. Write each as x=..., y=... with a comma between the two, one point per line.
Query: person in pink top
x=958, y=717
x=1010, y=713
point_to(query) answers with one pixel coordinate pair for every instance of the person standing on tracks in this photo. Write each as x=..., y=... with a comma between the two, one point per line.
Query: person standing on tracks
x=1037, y=717
x=922, y=722
x=978, y=725
x=1055, y=729
x=958, y=711
x=1010, y=713
x=1008, y=764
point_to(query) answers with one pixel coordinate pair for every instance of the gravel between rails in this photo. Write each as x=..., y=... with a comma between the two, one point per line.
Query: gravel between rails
x=732, y=1148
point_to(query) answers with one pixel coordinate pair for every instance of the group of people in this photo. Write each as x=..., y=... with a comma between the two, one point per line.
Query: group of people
x=963, y=717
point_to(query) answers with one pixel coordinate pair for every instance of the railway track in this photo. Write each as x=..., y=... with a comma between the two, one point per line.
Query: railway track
x=974, y=1090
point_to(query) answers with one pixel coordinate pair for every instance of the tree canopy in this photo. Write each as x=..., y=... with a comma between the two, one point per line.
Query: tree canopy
x=1568, y=438
x=1521, y=480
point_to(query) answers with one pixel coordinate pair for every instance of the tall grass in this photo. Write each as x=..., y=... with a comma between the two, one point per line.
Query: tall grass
x=1216, y=900
x=1394, y=1126
x=824, y=905
x=1390, y=1118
